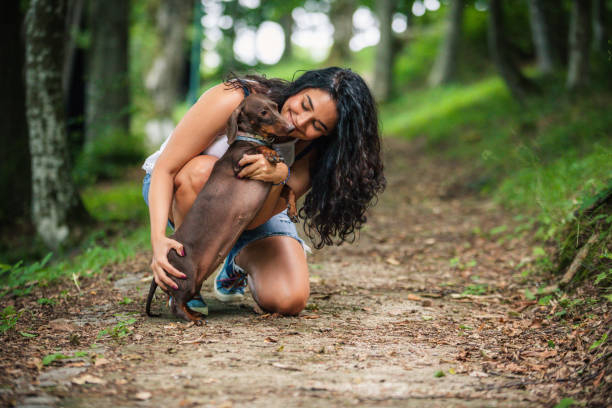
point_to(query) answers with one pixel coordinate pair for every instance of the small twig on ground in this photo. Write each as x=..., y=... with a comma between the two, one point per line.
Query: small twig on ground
x=573, y=268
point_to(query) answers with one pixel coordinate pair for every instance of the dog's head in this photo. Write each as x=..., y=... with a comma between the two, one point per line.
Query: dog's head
x=258, y=115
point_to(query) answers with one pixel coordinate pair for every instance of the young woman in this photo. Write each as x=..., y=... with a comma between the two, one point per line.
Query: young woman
x=335, y=157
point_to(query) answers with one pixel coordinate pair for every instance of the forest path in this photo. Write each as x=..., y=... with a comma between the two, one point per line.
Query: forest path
x=425, y=311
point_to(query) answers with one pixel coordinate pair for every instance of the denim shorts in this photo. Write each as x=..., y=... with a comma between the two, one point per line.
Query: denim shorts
x=278, y=225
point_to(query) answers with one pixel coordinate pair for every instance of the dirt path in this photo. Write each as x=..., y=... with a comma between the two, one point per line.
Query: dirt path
x=425, y=311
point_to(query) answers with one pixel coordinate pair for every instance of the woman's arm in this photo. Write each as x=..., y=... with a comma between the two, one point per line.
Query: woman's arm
x=193, y=134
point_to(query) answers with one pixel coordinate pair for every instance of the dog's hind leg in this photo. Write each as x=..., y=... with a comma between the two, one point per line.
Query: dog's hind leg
x=289, y=195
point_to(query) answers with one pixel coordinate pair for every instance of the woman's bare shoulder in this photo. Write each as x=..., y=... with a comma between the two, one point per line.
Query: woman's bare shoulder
x=200, y=125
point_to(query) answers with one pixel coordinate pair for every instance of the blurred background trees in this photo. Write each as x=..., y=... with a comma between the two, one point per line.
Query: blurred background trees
x=106, y=82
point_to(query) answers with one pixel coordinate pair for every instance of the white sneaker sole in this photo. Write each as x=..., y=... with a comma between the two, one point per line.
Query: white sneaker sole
x=236, y=297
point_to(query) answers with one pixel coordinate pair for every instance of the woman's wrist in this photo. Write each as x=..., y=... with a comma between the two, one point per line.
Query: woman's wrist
x=283, y=174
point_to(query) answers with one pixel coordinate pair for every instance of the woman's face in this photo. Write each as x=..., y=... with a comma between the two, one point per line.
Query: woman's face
x=313, y=113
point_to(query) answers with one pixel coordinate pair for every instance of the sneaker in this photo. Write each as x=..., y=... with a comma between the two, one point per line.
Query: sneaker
x=196, y=304
x=230, y=283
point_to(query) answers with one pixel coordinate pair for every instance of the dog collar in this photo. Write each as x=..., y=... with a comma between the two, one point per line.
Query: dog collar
x=253, y=138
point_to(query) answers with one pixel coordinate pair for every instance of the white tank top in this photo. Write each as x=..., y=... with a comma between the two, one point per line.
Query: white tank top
x=218, y=149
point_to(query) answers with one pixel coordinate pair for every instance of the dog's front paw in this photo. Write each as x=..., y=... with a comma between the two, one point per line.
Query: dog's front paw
x=270, y=155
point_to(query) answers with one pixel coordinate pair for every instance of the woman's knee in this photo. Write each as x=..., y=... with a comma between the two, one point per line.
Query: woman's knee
x=285, y=302
x=193, y=175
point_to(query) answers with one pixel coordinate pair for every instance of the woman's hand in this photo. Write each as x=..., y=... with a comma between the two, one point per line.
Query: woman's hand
x=256, y=167
x=161, y=265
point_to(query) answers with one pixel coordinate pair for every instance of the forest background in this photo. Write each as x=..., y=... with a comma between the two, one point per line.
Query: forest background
x=520, y=90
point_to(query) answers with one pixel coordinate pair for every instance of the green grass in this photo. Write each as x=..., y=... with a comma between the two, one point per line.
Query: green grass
x=542, y=158
x=124, y=233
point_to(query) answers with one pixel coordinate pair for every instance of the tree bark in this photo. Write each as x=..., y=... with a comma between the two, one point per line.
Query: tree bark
x=341, y=16
x=600, y=29
x=579, y=45
x=541, y=34
x=165, y=77
x=518, y=84
x=446, y=61
x=14, y=152
x=107, y=89
x=53, y=193
x=286, y=22
x=384, y=51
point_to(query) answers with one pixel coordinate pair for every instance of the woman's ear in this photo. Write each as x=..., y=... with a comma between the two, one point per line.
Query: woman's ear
x=232, y=123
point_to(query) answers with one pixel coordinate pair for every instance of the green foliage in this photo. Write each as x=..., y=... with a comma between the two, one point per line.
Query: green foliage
x=476, y=289
x=50, y=358
x=19, y=278
x=46, y=301
x=565, y=403
x=119, y=330
x=120, y=201
x=599, y=342
x=8, y=318
x=107, y=157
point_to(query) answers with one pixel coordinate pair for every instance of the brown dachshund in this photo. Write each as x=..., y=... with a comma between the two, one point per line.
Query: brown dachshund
x=226, y=204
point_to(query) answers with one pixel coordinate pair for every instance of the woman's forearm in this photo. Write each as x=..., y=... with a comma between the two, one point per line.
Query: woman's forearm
x=160, y=198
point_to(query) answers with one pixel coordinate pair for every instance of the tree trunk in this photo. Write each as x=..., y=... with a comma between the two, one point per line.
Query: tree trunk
x=286, y=22
x=53, y=193
x=164, y=80
x=341, y=16
x=14, y=153
x=518, y=84
x=579, y=45
x=541, y=34
x=446, y=60
x=384, y=51
x=107, y=89
x=600, y=31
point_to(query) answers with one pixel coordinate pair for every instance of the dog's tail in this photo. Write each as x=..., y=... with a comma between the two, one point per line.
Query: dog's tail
x=150, y=298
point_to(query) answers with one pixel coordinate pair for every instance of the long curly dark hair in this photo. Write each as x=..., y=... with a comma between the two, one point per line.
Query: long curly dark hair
x=347, y=175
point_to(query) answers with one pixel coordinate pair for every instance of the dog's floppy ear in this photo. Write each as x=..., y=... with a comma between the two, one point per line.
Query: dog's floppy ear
x=232, y=123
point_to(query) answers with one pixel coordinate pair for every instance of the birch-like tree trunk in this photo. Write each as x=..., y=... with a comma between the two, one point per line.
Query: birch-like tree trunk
x=600, y=28
x=579, y=44
x=446, y=61
x=164, y=79
x=14, y=153
x=53, y=193
x=518, y=84
x=541, y=34
x=341, y=16
x=384, y=51
x=286, y=21
x=107, y=108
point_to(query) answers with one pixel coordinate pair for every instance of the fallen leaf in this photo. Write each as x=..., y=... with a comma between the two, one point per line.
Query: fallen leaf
x=392, y=261
x=132, y=356
x=88, y=378
x=598, y=379
x=285, y=367
x=270, y=340
x=414, y=297
x=62, y=325
x=200, y=339
x=314, y=316
x=478, y=374
x=101, y=361
x=143, y=395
